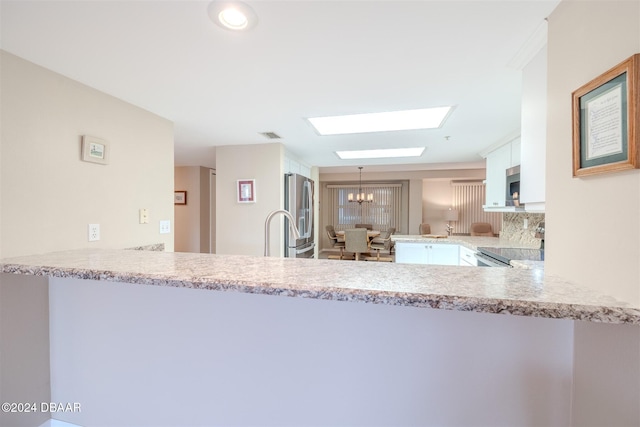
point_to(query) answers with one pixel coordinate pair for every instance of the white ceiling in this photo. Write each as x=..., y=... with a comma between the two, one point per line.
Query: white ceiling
x=303, y=59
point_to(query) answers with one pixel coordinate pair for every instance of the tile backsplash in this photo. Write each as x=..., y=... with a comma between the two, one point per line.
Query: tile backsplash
x=513, y=227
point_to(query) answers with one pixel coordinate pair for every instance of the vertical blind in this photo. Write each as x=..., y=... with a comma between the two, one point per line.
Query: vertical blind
x=468, y=199
x=385, y=211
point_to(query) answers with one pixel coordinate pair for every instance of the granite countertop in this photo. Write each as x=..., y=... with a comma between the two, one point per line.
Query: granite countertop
x=487, y=290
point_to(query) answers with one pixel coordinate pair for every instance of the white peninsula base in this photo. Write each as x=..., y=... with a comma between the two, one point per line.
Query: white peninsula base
x=151, y=356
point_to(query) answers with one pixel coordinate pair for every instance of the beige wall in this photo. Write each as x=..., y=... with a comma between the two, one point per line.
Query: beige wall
x=240, y=226
x=187, y=217
x=437, y=196
x=49, y=196
x=592, y=223
x=24, y=347
x=193, y=221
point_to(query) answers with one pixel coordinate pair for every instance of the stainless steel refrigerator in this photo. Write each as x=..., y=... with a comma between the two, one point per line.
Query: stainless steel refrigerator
x=298, y=201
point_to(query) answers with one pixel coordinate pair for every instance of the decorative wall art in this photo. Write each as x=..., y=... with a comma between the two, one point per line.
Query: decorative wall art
x=95, y=150
x=606, y=116
x=246, y=190
x=180, y=198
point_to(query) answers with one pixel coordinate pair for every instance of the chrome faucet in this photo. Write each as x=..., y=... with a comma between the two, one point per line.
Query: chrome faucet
x=294, y=229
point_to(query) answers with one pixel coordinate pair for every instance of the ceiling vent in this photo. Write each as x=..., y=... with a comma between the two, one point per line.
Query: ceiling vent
x=270, y=135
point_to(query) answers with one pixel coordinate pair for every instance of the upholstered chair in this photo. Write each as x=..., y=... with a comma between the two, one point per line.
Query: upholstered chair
x=481, y=229
x=392, y=244
x=356, y=241
x=382, y=242
x=336, y=242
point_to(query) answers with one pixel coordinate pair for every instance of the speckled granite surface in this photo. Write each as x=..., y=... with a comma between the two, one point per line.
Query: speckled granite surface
x=488, y=290
x=152, y=247
x=529, y=265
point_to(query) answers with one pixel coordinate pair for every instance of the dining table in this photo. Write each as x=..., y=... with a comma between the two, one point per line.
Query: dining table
x=371, y=234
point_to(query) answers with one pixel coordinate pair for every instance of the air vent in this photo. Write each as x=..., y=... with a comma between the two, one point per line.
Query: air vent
x=270, y=135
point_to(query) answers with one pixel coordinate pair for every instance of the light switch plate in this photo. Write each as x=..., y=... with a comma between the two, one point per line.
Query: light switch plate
x=94, y=232
x=144, y=216
x=165, y=226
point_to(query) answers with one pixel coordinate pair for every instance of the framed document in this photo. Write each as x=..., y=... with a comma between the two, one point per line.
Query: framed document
x=246, y=191
x=606, y=116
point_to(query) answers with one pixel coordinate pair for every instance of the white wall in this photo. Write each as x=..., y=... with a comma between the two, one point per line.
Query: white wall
x=241, y=359
x=584, y=240
x=240, y=226
x=49, y=195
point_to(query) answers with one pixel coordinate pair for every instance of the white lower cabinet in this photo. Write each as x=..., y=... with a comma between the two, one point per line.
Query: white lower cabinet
x=427, y=253
x=468, y=257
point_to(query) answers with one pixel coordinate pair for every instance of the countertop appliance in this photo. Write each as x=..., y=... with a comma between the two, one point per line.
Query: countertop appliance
x=501, y=257
x=298, y=201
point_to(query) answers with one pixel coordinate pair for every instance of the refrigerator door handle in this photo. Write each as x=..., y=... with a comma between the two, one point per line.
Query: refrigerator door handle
x=309, y=212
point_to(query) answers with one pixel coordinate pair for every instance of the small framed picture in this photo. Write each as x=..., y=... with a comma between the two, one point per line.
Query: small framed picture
x=246, y=190
x=606, y=113
x=95, y=150
x=180, y=198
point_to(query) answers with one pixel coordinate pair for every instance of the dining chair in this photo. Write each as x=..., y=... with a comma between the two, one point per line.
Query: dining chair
x=356, y=241
x=367, y=226
x=382, y=242
x=425, y=228
x=336, y=242
x=392, y=244
x=481, y=229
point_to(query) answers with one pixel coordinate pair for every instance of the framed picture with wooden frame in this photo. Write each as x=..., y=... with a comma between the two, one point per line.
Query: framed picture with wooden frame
x=180, y=197
x=606, y=116
x=246, y=191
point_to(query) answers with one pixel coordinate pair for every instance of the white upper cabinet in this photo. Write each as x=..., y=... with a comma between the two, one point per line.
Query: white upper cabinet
x=534, y=132
x=516, y=148
x=498, y=161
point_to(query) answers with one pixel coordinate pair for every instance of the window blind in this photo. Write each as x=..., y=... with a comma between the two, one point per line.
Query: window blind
x=384, y=212
x=468, y=199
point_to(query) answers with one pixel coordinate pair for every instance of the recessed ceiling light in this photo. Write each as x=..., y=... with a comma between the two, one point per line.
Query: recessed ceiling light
x=381, y=154
x=232, y=15
x=425, y=118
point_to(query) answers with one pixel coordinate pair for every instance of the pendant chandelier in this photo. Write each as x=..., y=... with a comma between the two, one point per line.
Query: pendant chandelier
x=361, y=197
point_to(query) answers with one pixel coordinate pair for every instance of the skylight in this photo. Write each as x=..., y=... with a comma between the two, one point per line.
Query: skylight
x=425, y=118
x=381, y=154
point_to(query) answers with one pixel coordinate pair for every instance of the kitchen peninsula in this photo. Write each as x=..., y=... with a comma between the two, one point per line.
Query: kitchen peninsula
x=160, y=338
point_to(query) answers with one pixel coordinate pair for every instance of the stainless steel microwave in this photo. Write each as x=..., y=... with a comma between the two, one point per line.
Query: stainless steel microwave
x=513, y=187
